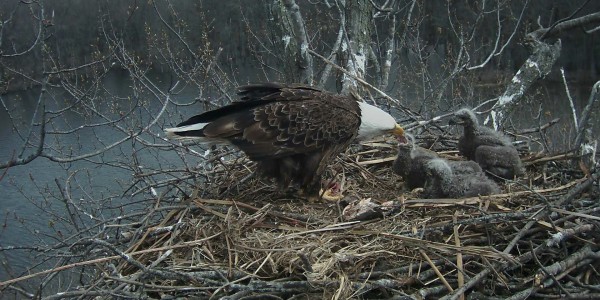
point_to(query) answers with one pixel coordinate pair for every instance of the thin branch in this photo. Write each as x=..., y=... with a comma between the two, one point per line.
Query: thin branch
x=586, y=115
x=564, y=23
x=571, y=104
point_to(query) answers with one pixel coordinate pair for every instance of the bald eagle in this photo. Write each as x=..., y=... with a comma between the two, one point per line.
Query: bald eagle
x=291, y=131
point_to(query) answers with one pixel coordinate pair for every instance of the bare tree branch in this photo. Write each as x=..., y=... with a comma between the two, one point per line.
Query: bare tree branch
x=538, y=65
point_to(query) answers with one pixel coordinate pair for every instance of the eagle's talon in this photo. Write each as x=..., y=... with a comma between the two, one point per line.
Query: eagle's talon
x=332, y=192
x=330, y=195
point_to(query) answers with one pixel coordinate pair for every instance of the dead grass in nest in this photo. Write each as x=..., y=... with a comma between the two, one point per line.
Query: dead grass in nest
x=244, y=239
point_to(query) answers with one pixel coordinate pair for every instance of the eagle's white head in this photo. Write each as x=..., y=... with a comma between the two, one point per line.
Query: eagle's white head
x=374, y=122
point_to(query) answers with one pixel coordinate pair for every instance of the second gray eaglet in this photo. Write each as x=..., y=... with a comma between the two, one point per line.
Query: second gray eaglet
x=491, y=149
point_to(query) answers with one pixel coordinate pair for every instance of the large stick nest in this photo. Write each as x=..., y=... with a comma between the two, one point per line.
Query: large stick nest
x=244, y=239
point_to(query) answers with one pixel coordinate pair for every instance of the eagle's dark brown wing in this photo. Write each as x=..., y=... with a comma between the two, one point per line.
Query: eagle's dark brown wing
x=288, y=121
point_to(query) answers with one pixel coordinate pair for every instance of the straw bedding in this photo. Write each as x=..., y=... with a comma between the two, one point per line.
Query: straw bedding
x=239, y=237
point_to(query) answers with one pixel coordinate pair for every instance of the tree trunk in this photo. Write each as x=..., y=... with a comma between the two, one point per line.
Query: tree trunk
x=303, y=59
x=355, y=47
x=537, y=66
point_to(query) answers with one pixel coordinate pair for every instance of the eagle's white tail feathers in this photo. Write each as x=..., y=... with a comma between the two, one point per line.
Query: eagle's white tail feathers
x=172, y=133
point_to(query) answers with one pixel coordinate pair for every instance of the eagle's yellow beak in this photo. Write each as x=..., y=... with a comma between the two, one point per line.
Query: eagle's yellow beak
x=398, y=131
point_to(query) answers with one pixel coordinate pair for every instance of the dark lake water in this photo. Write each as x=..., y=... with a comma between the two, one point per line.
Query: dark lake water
x=32, y=207
x=31, y=204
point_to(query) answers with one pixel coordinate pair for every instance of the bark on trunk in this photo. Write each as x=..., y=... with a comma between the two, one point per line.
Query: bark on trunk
x=357, y=42
x=303, y=59
x=537, y=66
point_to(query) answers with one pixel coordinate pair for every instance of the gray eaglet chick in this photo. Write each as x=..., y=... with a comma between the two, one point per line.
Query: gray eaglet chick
x=501, y=161
x=443, y=183
x=491, y=149
x=412, y=160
